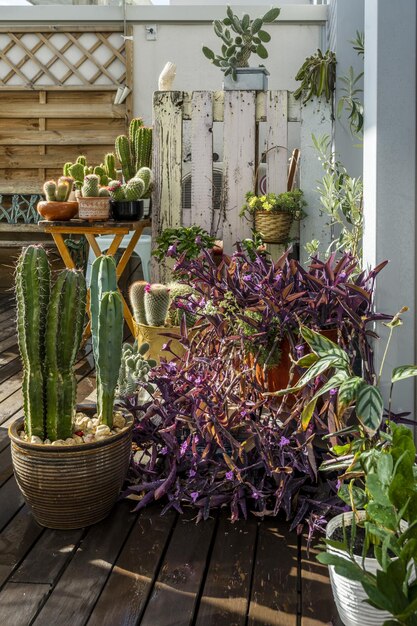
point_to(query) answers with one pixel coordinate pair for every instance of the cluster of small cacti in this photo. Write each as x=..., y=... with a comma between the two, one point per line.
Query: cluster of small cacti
x=135, y=150
x=58, y=191
x=80, y=169
x=91, y=187
x=150, y=303
x=106, y=309
x=49, y=327
x=135, y=189
x=134, y=368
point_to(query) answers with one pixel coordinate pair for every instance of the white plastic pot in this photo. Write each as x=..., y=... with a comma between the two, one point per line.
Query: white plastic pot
x=349, y=595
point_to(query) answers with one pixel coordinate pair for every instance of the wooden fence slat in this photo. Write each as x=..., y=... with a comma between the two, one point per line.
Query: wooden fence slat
x=277, y=142
x=202, y=160
x=167, y=163
x=51, y=137
x=61, y=110
x=238, y=163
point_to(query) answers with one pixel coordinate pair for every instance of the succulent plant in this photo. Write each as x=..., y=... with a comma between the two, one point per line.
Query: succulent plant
x=137, y=300
x=176, y=312
x=135, y=189
x=143, y=147
x=134, y=368
x=80, y=169
x=110, y=165
x=49, y=328
x=250, y=37
x=106, y=310
x=90, y=187
x=116, y=190
x=134, y=151
x=156, y=300
x=58, y=191
x=124, y=155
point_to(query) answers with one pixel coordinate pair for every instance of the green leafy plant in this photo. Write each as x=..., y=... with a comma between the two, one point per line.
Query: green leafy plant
x=341, y=198
x=317, y=76
x=287, y=202
x=359, y=43
x=183, y=240
x=350, y=101
x=249, y=38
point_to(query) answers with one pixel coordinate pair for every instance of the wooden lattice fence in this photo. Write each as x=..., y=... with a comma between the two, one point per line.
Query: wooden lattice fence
x=57, y=88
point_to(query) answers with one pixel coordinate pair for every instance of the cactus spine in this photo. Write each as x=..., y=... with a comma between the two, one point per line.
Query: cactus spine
x=156, y=302
x=137, y=300
x=32, y=294
x=64, y=326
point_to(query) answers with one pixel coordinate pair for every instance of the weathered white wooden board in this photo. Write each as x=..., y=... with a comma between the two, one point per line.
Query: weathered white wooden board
x=239, y=139
x=277, y=141
x=202, y=160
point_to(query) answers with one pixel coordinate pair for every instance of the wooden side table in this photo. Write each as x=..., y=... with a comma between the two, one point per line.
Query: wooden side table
x=91, y=230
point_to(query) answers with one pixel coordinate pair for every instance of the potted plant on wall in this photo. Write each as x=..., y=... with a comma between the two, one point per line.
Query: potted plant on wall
x=274, y=213
x=234, y=58
x=69, y=465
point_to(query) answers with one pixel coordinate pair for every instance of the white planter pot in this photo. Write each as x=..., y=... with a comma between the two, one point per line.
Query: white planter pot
x=349, y=595
x=247, y=79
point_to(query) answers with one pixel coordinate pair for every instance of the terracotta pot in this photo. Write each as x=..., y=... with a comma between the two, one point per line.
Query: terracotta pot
x=94, y=209
x=57, y=211
x=71, y=486
x=156, y=337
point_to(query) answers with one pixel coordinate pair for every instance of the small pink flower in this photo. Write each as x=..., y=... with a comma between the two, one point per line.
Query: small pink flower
x=194, y=495
x=148, y=287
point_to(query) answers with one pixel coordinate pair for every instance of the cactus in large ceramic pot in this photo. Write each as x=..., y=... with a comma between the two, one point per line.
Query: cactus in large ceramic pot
x=63, y=333
x=137, y=300
x=156, y=300
x=33, y=277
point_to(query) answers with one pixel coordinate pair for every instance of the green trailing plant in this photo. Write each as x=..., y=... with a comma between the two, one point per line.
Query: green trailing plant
x=91, y=188
x=317, y=76
x=156, y=302
x=249, y=37
x=350, y=102
x=134, y=150
x=49, y=327
x=58, y=191
x=286, y=202
x=183, y=240
x=106, y=310
x=134, y=369
x=135, y=189
x=341, y=198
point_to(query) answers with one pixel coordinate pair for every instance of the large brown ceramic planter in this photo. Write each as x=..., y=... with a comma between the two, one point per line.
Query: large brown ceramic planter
x=71, y=486
x=57, y=211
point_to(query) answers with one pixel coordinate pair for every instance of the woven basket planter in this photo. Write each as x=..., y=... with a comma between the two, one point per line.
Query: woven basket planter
x=273, y=226
x=71, y=486
x=94, y=209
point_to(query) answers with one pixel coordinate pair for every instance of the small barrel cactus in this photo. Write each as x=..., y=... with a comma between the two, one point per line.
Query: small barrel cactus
x=103, y=192
x=134, y=189
x=137, y=300
x=156, y=302
x=90, y=186
x=145, y=174
x=116, y=190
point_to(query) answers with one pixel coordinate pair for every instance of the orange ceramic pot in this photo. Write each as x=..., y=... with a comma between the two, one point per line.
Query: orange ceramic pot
x=57, y=211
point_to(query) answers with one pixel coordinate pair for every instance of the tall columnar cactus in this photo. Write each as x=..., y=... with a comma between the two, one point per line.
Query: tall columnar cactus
x=123, y=153
x=110, y=165
x=63, y=333
x=103, y=279
x=33, y=276
x=143, y=148
x=156, y=304
x=135, y=124
x=137, y=300
x=134, y=189
x=90, y=187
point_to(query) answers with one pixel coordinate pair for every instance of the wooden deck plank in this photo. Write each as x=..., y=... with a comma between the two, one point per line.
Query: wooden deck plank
x=19, y=602
x=16, y=540
x=317, y=604
x=11, y=499
x=6, y=467
x=175, y=593
x=225, y=597
x=133, y=575
x=73, y=598
x=274, y=595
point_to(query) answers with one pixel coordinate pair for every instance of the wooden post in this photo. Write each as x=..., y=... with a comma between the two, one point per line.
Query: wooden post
x=202, y=160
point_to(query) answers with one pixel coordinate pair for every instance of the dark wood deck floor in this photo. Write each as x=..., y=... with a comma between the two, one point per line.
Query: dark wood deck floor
x=144, y=569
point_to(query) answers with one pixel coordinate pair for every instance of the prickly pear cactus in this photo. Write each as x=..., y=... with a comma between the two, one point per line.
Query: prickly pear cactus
x=156, y=304
x=77, y=172
x=137, y=300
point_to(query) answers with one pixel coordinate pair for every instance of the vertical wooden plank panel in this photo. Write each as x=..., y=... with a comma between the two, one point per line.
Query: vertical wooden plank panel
x=277, y=141
x=42, y=148
x=167, y=166
x=202, y=160
x=239, y=163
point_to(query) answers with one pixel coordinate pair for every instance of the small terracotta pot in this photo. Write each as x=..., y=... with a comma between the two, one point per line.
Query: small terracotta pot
x=57, y=211
x=71, y=486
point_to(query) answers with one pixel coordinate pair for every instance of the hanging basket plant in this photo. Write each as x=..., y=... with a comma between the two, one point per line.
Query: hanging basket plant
x=274, y=213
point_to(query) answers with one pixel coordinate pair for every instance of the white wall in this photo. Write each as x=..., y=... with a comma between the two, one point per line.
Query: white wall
x=181, y=44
